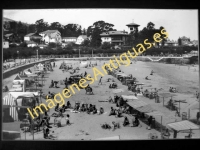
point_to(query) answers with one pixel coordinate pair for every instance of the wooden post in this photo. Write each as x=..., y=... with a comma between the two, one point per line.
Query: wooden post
x=163, y=101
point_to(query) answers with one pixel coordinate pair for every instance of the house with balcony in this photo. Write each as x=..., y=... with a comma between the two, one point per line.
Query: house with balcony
x=81, y=39
x=51, y=36
x=114, y=37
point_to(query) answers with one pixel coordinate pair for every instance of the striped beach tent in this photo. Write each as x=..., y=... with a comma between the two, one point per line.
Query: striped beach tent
x=10, y=100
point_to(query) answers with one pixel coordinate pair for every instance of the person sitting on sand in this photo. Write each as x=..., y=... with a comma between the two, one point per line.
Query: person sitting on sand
x=94, y=109
x=126, y=121
x=110, y=86
x=91, y=108
x=67, y=120
x=118, y=113
x=82, y=108
x=147, y=78
x=110, y=100
x=68, y=104
x=57, y=107
x=115, y=125
x=136, y=122
x=101, y=110
x=52, y=84
x=55, y=84
x=112, y=111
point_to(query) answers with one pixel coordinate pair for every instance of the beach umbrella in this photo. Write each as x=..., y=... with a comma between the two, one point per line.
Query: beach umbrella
x=166, y=95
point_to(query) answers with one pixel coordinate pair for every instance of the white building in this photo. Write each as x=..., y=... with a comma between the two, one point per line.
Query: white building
x=51, y=36
x=81, y=38
x=69, y=39
x=27, y=37
x=5, y=44
x=31, y=44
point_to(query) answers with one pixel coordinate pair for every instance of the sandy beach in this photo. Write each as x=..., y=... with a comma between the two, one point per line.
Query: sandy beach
x=87, y=126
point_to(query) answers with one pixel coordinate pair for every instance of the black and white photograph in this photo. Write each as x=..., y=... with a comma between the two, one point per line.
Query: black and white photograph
x=94, y=74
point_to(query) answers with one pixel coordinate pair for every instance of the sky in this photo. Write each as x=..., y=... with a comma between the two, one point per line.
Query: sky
x=177, y=22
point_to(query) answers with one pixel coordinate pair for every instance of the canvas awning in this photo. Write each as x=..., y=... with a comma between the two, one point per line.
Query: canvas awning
x=194, y=106
x=183, y=125
x=129, y=97
x=166, y=95
x=110, y=138
x=137, y=103
x=124, y=93
x=155, y=113
x=144, y=109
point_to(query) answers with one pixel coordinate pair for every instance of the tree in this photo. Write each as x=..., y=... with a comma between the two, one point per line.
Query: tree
x=106, y=45
x=86, y=43
x=31, y=28
x=179, y=41
x=96, y=38
x=41, y=25
x=96, y=29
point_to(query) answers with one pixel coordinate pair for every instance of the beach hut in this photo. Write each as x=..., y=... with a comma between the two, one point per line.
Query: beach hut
x=83, y=64
x=10, y=100
x=180, y=126
x=18, y=85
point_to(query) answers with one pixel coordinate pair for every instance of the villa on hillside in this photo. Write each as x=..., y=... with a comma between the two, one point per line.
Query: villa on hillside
x=81, y=39
x=118, y=37
x=51, y=36
x=114, y=37
x=171, y=43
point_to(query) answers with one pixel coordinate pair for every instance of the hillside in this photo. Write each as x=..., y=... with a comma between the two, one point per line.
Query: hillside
x=8, y=20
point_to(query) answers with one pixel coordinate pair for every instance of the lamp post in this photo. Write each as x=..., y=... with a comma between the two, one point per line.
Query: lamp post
x=18, y=54
x=79, y=52
x=92, y=53
x=37, y=55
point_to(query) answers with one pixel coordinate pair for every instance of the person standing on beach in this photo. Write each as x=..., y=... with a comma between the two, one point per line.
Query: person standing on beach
x=100, y=81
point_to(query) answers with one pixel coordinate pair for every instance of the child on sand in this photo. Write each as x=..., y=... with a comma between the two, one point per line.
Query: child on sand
x=67, y=120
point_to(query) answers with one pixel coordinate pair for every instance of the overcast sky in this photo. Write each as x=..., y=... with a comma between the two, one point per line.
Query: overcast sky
x=177, y=22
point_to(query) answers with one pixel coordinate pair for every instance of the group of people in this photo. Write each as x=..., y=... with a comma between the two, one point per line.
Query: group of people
x=89, y=109
x=113, y=85
x=172, y=89
x=53, y=84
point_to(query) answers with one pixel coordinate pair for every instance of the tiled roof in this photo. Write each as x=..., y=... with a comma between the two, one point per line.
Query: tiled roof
x=30, y=34
x=183, y=125
x=184, y=37
x=7, y=35
x=30, y=42
x=132, y=24
x=49, y=31
x=114, y=33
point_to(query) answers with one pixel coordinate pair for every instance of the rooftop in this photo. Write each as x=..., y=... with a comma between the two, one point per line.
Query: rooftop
x=132, y=24
x=49, y=31
x=30, y=34
x=114, y=33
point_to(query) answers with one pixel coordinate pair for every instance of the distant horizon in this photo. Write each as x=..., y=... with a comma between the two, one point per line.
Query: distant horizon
x=174, y=21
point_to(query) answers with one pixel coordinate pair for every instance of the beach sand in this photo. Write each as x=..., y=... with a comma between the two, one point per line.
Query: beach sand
x=87, y=127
